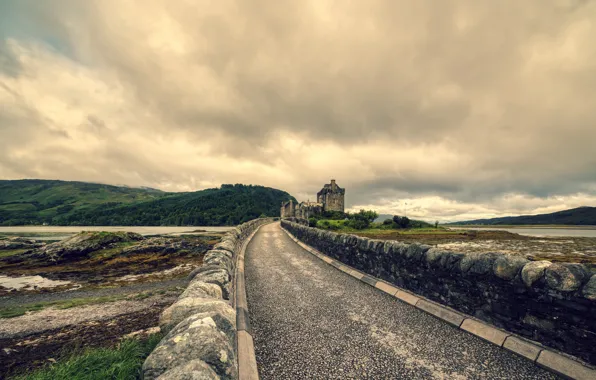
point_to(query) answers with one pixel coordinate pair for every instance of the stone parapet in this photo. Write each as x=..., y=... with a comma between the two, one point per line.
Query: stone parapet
x=202, y=327
x=551, y=303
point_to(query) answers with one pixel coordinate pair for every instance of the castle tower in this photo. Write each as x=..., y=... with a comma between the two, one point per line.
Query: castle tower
x=332, y=197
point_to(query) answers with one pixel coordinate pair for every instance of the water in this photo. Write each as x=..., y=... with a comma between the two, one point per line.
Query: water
x=58, y=232
x=539, y=231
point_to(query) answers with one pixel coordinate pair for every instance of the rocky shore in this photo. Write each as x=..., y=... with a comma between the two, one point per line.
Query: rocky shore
x=89, y=290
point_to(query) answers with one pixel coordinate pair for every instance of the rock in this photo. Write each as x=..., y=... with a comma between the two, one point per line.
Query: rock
x=533, y=271
x=414, y=252
x=467, y=261
x=565, y=277
x=193, y=370
x=433, y=255
x=185, y=307
x=201, y=289
x=220, y=277
x=589, y=290
x=195, y=338
x=226, y=244
x=79, y=245
x=507, y=267
x=483, y=263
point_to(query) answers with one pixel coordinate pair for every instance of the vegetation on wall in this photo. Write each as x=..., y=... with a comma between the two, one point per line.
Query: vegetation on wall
x=34, y=202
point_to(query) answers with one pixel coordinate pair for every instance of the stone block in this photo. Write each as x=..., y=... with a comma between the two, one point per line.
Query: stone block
x=484, y=331
x=192, y=370
x=534, y=271
x=565, y=366
x=564, y=278
x=589, y=290
x=507, y=267
x=441, y=312
x=407, y=297
x=186, y=307
x=391, y=290
x=521, y=347
x=195, y=338
x=201, y=289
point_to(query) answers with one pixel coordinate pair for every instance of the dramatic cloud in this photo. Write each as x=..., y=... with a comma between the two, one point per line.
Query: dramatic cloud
x=459, y=108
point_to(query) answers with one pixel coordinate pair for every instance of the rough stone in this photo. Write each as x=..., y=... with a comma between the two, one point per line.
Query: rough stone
x=220, y=277
x=193, y=370
x=533, y=271
x=193, y=339
x=205, y=269
x=589, y=290
x=185, y=307
x=564, y=278
x=434, y=255
x=508, y=266
x=201, y=289
x=226, y=244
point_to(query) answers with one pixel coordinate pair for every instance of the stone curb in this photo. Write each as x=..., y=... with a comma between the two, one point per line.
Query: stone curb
x=247, y=362
x=550, y=360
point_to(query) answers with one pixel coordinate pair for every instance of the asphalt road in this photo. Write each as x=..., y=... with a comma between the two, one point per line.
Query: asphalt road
x=311, y=321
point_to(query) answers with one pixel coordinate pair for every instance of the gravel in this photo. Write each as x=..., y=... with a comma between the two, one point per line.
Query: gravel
x=310, y=320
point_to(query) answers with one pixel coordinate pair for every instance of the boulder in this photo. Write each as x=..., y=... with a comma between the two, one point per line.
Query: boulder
x=225, y=244
x=193, y=370
x=507, y=267
x=201, y=289
x=565, y=277
x=589, y=290
x=207, y=269
x=534, y=271
x=195, y=338
x=185, y=307
x=219, y=277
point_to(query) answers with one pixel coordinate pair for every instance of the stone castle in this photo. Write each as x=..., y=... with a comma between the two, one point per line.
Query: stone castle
x=330, y=198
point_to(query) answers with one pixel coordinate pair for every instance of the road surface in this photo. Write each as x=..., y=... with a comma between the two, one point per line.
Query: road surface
x=312, y=321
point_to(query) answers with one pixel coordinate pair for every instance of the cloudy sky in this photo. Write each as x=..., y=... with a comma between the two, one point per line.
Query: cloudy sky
x=462, y=109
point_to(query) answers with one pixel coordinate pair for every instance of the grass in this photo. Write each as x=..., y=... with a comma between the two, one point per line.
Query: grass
x=12, y=252
x=17, y=311
x=377, y=228
x=122, y=362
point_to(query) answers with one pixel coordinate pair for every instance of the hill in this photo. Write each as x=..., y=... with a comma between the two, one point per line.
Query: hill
x=25, y=202
x=581, y=216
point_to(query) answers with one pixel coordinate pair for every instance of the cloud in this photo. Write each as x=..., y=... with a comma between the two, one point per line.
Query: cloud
x=462, y=105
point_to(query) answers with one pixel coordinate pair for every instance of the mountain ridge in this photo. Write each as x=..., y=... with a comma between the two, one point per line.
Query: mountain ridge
x=579, y=216
x=55, y=202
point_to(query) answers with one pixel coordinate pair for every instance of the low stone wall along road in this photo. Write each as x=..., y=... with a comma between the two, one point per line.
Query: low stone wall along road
x=312, y=321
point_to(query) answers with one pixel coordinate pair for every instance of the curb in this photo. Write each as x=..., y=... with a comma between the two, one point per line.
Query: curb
x=247, y=362
x=541, y=356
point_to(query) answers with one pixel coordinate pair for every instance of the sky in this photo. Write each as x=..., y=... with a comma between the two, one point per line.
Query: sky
x=453, y=110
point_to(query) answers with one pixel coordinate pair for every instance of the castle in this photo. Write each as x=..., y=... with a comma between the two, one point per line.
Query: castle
x=330, y=198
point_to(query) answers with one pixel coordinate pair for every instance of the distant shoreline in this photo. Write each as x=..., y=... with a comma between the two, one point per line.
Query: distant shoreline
x=568, y=227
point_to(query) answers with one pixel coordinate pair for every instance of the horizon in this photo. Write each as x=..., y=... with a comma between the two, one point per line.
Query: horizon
x=461, y=110
x=380, y=213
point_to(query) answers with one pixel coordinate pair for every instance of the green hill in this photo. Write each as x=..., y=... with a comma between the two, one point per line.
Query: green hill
x=581, y=216
x=26, y=202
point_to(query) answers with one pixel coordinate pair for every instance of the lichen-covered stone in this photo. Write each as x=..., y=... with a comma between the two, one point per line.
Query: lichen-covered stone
x=220, y=277
x=534, y=271
x=206, y=269
x=185, y=307
x=194, y=338
x=219, y=252
x=507, y=267
x=434, y=255
x=193, y=370
x=201, y=289
x=226, y=244
x=467, y=261
x=219, y=260
x=564, y=277
x=589, y=290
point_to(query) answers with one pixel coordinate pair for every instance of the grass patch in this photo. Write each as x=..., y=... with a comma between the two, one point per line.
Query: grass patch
x=12, y=252
x=121, y=362
x=17, y=311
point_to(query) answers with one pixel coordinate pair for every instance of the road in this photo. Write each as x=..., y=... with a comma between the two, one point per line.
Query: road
x=312, y=321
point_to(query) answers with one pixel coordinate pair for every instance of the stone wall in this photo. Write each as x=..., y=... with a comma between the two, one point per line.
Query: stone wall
x=551, y=303
x=200, y=327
